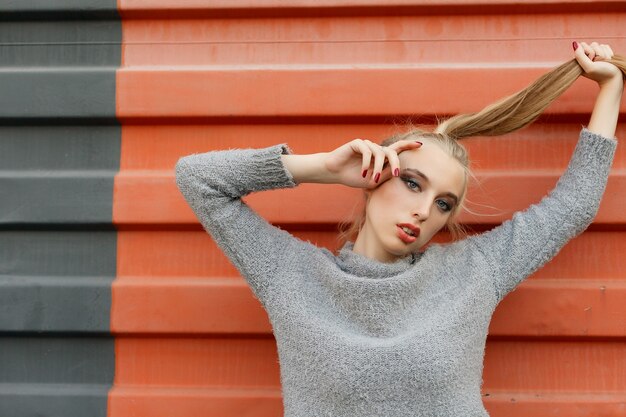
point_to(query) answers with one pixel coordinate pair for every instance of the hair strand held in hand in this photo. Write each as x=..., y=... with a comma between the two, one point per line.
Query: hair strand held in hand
x=522, y=108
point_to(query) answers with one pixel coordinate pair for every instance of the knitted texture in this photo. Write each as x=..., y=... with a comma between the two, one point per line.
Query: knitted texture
x=358, y=337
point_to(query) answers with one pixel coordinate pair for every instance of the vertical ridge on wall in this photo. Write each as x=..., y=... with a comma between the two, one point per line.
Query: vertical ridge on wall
x=59, y=153
x=210, y=75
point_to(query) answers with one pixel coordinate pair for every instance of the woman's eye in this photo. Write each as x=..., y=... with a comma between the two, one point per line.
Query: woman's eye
x=443, y=205
x=414, y=185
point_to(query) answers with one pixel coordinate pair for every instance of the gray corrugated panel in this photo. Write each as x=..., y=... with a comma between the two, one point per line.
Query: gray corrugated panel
x=48, y=9
x=59, y=43
x=56, y=280
x=56, y=197
x=59, y=147
x=46, y=359
x=53, y=400
x=73, y=375
x=48, y=94
x=57, y=174
x=45, y=303
x=59, y=153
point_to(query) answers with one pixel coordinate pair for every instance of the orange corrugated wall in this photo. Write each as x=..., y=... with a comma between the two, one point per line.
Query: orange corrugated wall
x=204, y=75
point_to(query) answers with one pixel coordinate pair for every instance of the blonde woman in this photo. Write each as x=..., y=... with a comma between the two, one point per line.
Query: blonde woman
x=385, y=327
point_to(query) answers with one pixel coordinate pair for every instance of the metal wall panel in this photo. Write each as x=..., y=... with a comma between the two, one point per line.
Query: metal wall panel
x=206, y=75
x=59, y=153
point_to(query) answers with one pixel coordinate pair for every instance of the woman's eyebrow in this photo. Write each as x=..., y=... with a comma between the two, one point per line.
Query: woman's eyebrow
x=418, y=172
x=425, y=178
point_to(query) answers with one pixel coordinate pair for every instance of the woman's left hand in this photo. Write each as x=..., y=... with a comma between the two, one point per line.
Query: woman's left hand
x=591, y=58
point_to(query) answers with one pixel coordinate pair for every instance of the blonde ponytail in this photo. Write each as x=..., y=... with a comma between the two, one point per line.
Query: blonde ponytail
x=522, y=108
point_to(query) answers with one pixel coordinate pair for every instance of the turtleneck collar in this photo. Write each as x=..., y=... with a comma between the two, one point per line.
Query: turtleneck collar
x=362, y=266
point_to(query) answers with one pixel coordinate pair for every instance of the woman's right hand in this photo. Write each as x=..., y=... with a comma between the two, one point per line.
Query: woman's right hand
x=360, y=163
x=591, y=57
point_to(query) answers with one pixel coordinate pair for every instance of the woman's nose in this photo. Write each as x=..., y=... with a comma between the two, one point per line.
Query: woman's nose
x=421, y=210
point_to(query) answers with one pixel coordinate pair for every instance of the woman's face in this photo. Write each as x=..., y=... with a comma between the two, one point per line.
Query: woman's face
x=424, y=196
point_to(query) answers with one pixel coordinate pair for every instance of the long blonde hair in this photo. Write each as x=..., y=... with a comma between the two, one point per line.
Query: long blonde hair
x=504, y=116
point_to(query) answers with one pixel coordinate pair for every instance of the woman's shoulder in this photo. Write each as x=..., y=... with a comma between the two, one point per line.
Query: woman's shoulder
x=464, y=251
x=300, y=249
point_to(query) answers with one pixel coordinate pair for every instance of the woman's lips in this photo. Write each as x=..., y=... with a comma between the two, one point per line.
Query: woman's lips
x=405, y=237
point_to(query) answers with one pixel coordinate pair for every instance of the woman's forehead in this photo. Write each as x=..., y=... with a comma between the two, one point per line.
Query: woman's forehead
x=438, y=166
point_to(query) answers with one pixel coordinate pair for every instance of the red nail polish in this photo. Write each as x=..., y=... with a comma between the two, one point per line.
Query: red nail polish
x=575, y=45
x=396, y=172
x=364, y=173
x=377, y=177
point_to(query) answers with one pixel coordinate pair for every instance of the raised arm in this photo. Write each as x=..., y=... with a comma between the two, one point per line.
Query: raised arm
x=213, y=184
x=520, y=246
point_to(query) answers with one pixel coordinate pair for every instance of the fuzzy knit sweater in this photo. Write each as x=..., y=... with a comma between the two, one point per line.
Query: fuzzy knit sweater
x=357, y=337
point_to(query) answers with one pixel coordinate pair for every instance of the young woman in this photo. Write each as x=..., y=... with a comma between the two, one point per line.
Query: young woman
x=384, y=328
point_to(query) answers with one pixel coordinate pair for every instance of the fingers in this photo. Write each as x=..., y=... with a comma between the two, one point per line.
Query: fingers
x=379, y=159
x=367, y=149
x=596, y=51
x=582, y=57
x=383, y=156
x=599, y=51
x=393, y=163
x=366, y=154
x=588, y=50
x=587, y=54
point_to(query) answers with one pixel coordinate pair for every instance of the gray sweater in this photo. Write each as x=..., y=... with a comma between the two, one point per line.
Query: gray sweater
x=357, y=337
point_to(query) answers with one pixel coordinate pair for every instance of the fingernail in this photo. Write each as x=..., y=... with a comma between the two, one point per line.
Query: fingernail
x=396, y=172
x=364, y=173
x=417, y=141
x=377, y=177
x=575, y=45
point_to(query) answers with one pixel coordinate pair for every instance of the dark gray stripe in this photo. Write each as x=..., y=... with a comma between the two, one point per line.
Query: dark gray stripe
x=47, y=9
x=55, y=376
x=56, y=198
x=55, y=400
x=71, y=94
x=57, y=174
x=49, y=357
x=59, y=153
x=67, y=43
x=53, y=303
x=58, y=253
x=56, y=280
x=57, y=93
x=60, y=147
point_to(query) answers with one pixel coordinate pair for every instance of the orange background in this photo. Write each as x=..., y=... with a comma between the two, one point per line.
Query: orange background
x=205, y=75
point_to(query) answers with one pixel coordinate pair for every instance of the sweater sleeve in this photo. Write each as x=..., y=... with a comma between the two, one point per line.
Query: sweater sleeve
x=213, y=183
x=520, y=246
